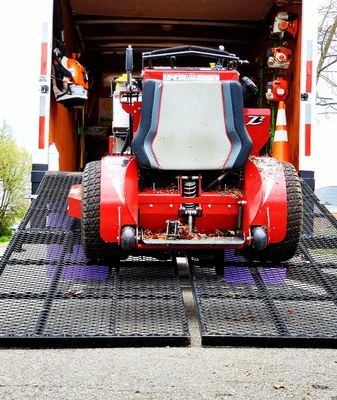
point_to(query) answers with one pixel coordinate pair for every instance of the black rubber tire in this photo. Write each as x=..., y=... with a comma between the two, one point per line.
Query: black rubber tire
x=94, y=247
x=286, y=249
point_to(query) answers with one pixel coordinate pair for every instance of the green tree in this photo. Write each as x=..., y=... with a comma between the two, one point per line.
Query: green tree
x=15, y=165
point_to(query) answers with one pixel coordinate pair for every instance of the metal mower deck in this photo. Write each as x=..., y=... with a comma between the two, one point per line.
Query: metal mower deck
x=50, y=296
x=291, y=304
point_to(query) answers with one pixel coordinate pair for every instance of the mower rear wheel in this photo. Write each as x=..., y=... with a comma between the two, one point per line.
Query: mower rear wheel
x=286, y=249
x=94, y=247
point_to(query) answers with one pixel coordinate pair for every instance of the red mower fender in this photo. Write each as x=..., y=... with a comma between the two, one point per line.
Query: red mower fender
x=74, y=208
x=266, y=195
x=119, y=196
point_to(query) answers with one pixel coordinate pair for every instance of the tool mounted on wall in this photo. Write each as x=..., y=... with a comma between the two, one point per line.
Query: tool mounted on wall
x=279, y=57
x=285, y=26
x=70, y=83
x=277, y=90
x=282, y=3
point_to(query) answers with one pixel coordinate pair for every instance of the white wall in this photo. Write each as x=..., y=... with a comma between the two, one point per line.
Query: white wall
x=324, y=147
x=20, y=46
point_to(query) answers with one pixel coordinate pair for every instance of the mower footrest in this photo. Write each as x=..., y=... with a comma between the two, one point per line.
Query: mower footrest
x=223, y=241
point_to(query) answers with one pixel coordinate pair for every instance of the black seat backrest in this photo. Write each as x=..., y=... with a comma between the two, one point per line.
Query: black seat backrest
x=144, y=155
x=211, y=137
x=246, y=141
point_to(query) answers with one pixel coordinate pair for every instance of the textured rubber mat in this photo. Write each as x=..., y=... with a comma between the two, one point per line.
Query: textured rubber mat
x=291, y=304
x=51, y=296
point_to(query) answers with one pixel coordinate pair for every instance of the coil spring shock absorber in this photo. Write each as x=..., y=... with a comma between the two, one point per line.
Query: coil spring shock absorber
x=190, y=189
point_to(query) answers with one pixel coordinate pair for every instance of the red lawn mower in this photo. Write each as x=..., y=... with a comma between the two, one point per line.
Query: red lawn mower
x=189, y=177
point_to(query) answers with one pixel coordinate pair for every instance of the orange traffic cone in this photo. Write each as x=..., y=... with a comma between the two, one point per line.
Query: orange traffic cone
x=281, y=145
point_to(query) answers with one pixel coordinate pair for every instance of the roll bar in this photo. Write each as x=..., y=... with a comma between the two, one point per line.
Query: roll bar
x=220, y=55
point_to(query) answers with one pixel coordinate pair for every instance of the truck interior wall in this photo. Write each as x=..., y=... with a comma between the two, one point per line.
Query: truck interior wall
x=62, y=132
x=257, y=51
x=96, y=146
x=62, y=123
x=293, y=102
x=63, y=128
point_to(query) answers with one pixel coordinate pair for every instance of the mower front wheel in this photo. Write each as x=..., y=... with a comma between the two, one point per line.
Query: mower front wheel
x=94, y=247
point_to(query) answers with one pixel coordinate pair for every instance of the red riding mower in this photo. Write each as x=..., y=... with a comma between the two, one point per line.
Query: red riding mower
x=190, y=177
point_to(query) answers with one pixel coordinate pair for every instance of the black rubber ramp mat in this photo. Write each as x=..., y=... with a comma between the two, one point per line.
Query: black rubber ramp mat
x=291, y=304
x=51, y=296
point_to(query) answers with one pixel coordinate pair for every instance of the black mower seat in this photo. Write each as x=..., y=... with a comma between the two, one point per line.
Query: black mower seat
x=192, y=125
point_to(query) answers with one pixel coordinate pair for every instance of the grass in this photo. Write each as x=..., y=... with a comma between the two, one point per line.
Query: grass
x=5, y=239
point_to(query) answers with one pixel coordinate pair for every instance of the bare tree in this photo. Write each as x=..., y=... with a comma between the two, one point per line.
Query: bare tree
x=327, y=63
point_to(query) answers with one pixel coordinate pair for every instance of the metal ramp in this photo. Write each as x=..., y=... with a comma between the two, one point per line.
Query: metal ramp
x=291, y=304
x=50, y=296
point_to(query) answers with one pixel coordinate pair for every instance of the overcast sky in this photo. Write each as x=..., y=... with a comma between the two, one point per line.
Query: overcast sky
x=20, y=39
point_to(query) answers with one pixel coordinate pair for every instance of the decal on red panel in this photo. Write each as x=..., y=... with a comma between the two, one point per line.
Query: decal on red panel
x=255, y=119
